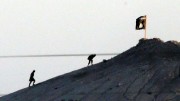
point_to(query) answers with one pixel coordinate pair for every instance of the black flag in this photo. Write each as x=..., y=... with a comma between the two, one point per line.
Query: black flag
x=141, y=23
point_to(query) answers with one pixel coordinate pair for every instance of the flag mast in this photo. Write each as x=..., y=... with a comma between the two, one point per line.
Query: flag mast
x=141, y=23
x=145, y=33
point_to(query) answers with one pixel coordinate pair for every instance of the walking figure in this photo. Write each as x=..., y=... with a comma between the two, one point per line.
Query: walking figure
x=31, y=79
x=90, y=58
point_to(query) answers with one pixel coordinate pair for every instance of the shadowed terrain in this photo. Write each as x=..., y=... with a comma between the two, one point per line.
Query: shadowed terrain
x=149, y=71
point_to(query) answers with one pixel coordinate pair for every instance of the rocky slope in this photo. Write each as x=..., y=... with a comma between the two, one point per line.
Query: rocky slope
x=150, y=71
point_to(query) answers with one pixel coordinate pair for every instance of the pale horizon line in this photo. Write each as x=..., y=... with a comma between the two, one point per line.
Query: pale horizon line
x=56, y=55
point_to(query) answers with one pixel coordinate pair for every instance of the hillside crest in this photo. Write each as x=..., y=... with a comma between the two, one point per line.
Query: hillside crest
x=149, y=71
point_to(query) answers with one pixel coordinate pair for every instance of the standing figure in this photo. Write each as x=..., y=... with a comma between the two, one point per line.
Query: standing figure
x=90, y=58
x=31, y=79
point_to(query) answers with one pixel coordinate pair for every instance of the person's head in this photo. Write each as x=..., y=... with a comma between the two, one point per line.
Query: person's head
x=93, y=55
x=33, y=70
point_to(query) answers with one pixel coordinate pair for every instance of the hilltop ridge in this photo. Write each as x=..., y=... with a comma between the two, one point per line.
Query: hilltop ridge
x=149, y=71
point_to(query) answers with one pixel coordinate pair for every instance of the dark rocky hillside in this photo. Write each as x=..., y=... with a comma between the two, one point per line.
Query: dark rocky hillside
x=150, y=71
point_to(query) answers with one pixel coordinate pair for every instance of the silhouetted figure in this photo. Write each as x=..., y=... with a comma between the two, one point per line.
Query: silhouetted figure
x=90, y=58
x=31, y=79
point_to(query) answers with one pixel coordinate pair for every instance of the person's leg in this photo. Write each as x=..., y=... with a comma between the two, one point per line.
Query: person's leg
x=30, y=83
x=34, y=82
x=89, y=62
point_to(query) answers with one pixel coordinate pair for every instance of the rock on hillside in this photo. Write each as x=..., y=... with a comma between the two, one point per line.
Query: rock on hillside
x=150, y=71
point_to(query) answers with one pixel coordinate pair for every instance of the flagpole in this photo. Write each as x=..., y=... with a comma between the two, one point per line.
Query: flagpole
x=145, y=34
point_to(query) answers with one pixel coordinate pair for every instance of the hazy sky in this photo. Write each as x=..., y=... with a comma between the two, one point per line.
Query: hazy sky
x=74, y=26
